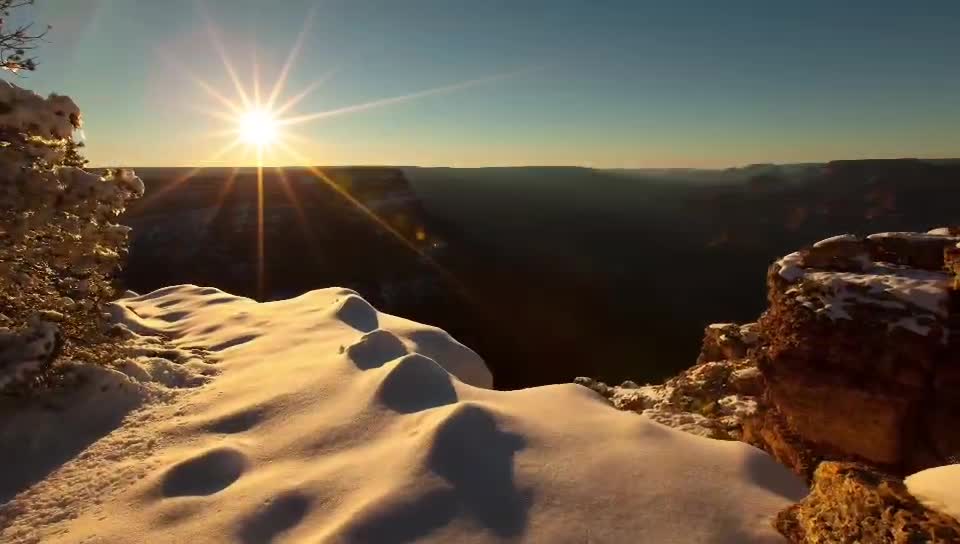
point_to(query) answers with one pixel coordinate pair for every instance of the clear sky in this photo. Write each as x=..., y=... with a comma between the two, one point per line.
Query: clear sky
x=605, y=83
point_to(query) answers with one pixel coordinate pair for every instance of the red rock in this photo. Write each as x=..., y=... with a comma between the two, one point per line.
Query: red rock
x=861, y=363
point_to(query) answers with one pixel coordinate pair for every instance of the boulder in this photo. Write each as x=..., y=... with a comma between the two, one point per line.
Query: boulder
x=850, y=502
x=858, y=356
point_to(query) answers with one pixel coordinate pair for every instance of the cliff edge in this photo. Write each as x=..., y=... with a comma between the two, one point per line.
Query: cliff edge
x=850, y=378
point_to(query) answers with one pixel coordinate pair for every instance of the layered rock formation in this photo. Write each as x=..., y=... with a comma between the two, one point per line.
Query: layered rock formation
x=851, y=378
x=860, y=351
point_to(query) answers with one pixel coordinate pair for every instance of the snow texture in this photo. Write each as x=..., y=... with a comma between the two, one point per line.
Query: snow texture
x=836, y=239
x=936, y=234
x=332, y=422
x=791, y=267
x=937, y=488
x=53, y=117
x=924, y=289
x=916, y=298
x=24, y=353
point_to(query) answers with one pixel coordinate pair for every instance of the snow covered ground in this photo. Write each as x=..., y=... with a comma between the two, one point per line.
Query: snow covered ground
x=327, y=421
x=937, y=488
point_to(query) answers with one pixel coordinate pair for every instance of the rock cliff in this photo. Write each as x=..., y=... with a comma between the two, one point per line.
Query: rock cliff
x=206, y=228
x=850, y=377
x=865, y=328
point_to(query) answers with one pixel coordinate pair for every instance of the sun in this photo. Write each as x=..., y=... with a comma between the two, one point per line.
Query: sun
x=258, y=127
x=266, y=125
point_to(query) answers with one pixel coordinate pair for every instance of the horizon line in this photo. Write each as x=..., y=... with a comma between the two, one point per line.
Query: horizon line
x=519, y=166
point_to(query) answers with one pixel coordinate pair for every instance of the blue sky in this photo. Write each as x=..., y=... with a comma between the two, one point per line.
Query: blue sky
x=606, y=83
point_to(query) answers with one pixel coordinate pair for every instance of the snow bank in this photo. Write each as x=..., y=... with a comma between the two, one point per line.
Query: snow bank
x=938, y=489
x=332, y=422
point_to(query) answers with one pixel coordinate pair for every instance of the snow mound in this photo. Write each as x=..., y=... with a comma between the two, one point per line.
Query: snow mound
x=331, y=422
x=937, y=488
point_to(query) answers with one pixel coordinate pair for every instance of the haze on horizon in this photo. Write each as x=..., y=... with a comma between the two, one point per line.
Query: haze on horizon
x=623, y=83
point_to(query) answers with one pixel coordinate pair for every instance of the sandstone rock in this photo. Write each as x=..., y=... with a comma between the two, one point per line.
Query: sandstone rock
x=724, y=341
x=951, y=259
x=856, y=360
x=747, y=381
x=768, y=430
x=850, y=502
x=916, y=250
x=711, y=398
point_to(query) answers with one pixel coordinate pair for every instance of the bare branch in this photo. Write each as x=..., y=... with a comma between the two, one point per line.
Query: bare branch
x=15, y=43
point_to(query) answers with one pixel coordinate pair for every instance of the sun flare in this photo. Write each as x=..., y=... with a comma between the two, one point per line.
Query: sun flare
x=258, y=128
x=266, y=125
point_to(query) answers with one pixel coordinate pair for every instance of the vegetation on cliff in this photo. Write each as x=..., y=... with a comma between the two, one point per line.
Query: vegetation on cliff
x=60, y=245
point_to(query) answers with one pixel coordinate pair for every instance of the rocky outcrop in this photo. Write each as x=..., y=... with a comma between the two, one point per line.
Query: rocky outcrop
x=852, y=379
x=849, y=502
x=712, y=398
x=857, y=358
x=860, y=349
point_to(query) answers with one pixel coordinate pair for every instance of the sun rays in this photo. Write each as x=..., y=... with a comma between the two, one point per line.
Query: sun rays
x=261, y=123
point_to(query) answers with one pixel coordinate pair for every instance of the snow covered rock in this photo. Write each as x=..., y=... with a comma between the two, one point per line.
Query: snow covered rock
x=862, y=357
x=854, y=503
x=856, y=358
x=711, y=398
x=727, y=341
x=332, y=422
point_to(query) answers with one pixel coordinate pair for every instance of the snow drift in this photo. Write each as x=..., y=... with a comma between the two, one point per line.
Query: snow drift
x=328, y=421
x=937, y=488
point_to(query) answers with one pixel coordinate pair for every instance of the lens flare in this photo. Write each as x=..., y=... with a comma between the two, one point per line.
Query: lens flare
x=264, y=126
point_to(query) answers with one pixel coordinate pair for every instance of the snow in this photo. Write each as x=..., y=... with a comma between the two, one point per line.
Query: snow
x=937, y=488
x=936, y=234
x=23, y=353
x=747, y=373
x=720, y=326
x=738, y=406
x=749, y=334
x=687, y=422
x=923, y=294
x=646, y=396
x=912, y=323
x=53, y=117
x=328, y=421
x=921, y=288
x=791, y=267
x=837, y=239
